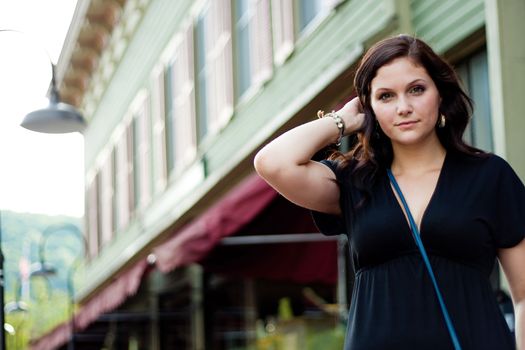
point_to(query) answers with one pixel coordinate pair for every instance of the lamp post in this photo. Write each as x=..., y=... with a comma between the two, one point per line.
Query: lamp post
x=16, y=307
x=2, y=315
x=57, y=117
x=45, y=269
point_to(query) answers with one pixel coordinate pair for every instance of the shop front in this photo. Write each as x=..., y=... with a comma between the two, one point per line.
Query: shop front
x=251, y=272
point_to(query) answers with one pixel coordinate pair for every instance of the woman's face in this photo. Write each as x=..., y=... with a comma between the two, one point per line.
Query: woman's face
x=406, y=102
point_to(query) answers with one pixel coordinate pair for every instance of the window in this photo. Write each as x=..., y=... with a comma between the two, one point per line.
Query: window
x=214, y=68
x=310, y=12
x=122, y=186
x=183, y=90
x=253, y=44
x=307, y=11
x=474, y=74
x=92, y=219
x=114, y=205
x=243, y=15
x=106, y=200
x=202, y=74
x=292, y=19
x=158, y=126
x=135, y=133
x=142, y=152
x=283, y=29
x=129, y=169
x=169, y=116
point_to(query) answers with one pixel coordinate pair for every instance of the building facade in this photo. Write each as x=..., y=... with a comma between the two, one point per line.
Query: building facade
x=188, y=248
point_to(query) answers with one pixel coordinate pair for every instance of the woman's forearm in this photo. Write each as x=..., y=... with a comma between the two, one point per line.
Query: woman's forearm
x=298, y=145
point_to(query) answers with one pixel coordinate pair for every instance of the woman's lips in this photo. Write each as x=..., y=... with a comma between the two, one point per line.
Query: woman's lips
x=407, y=124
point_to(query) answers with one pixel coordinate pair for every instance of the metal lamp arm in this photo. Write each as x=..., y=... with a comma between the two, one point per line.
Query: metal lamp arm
x=58, y=117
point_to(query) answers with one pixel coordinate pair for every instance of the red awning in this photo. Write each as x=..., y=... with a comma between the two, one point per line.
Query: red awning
x=187, y=245
x=122, y=287
x=224, y=218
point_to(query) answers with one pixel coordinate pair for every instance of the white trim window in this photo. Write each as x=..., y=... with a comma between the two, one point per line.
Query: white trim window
x=106, y=199
x=311, y=12
x=142, y=152
x=92, y=219
x=295, y=19
x=160, y=169
x=122, y=177
x=202, y=73
x=214, y=67
x=183, y=104
x=283, y=30
x=130, y=169
x=254, y=61
x=169, y=118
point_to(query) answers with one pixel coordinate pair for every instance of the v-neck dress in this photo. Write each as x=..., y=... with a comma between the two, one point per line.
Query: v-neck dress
x=478, y=206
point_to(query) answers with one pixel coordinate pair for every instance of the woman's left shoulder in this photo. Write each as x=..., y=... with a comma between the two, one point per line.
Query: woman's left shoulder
x=499, y=171
x=488, y=162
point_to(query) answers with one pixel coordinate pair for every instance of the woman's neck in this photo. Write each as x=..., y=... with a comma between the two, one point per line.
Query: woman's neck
x=418, y=159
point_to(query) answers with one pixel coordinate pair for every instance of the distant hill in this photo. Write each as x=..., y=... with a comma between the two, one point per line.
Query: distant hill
x=22, y=236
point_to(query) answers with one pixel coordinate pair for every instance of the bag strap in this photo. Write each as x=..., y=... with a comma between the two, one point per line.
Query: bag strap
x=419, y=243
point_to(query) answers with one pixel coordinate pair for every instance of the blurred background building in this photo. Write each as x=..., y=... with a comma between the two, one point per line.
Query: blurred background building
x=188, y=248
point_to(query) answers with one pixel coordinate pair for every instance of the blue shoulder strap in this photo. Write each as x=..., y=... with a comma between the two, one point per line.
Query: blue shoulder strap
x=419, y=243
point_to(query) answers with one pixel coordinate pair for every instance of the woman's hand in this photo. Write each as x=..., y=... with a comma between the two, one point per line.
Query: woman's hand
x=352, y=115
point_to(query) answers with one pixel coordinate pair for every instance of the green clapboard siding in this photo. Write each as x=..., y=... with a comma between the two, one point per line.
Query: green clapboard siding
x=159, y=23
x=161, y=20
x=444, y=23
x=354, y=23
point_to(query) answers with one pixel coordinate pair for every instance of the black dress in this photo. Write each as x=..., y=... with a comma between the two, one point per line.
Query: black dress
x=478, y=206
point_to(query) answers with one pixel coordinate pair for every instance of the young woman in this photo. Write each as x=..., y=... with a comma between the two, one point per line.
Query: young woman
x=469, y=206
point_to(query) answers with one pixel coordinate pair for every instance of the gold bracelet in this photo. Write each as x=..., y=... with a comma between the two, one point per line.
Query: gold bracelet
x=338, y=122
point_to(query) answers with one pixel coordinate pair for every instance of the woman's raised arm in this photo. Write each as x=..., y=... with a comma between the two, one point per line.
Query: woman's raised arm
x=285, y=163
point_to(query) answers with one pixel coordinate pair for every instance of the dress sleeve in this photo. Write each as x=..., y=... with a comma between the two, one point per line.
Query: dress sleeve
x=509, y=207
x=330, y=224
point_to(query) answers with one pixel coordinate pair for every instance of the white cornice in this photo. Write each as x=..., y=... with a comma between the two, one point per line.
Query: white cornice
x=70, y=42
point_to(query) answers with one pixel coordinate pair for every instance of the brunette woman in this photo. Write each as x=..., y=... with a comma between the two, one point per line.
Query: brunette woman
x=467, y=207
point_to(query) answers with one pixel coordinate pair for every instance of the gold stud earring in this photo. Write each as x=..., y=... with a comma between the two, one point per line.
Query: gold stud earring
x=442, y=121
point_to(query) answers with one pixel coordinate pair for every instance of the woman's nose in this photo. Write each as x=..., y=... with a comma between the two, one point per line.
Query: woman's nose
x=403, y=106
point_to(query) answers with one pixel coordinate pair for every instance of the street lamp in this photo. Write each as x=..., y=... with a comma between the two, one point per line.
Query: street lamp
x=57, y=117
x=45, y=269
x=16, y=307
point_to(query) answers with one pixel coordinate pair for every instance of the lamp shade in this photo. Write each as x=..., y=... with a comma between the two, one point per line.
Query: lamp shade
x=56, y=118
x=16, y=306
x=42, y=269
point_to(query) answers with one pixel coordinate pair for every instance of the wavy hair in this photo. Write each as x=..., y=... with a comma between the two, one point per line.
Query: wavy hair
x=372, y=151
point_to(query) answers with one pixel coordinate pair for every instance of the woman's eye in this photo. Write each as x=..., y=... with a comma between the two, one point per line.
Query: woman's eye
x=385, y=96
x=417, y=89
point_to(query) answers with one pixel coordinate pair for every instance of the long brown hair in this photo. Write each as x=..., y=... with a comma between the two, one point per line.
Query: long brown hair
x=372, y=151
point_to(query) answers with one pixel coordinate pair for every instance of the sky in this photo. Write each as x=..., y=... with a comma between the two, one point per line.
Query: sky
x=39, y=173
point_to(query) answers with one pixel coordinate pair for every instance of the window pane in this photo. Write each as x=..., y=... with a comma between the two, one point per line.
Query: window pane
x=243, y=60
x=241, y=8
x=242, y=31
x=202, y=119
x=168, y=98
x=114, y=180
x=308, y=9
x=479, y=91
x=474, y=74
x=136, y=159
